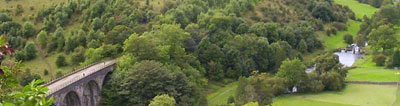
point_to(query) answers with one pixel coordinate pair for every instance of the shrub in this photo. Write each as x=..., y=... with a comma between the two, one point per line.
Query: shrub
x=332, y=80
x=46, y=72
x=61, y=62
x=231, y=100
x=339, y=26
x=30, y=51
x=348, y=38
x=59, y=74
x=379, y=59
x=334, y=31
x=396, y=59
x=19, y=56
x=163, y=100
x=78, y=55
x=29, y=77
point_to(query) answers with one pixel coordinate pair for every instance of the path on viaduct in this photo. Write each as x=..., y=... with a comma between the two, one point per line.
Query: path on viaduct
x=81, y=87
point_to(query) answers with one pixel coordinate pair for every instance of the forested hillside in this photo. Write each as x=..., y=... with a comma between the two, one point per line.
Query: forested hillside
x=181, y=47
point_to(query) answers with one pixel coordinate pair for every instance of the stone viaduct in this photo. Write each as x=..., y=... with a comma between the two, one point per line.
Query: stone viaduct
x=81, y=87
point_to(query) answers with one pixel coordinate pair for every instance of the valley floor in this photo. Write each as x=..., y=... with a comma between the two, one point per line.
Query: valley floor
x=351, y=95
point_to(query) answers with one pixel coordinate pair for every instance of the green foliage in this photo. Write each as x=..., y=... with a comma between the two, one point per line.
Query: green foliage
x=59, y=74
x=61, y=61
x=375, y=3
x=162, y=100
x=4, y=18
x=19, y=55
x=315, y=84
x=92, y=55
x=382, y=38
x=360, y=40
x=379, y=59
x=388, y=13
x=45, y=72
x=118, y=35
x=293, y=72
x=323, y=10
x=256, y=88
x=267, y=30
x=348, y=39
x=251, y=104
x=141, y=47
x=330, y=73
x=78, y=55
x=302, y=46
x=97, y=23
x=42, y=38
x=19, y=10
x=28, y=77
x=164, y=79
x=33, y=94
x=396, y=59
x=28, y=30
x=30, y=51
x=214, y=71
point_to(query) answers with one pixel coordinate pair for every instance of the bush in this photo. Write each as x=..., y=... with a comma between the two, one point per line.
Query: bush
x=46, y=72
x=379, y=59
x=61, y=62
x=163, y=100
x=78, y=56
x=28, y=30
x=339, y=26
x=330, y=31
x=348, y=38
x=30, y=51
x=231, y=100
x=396, y=59
x=29, y=77
x=59, y=74
x=332, y=80
x=19, y=56
x=315, y=84
x=334, y=31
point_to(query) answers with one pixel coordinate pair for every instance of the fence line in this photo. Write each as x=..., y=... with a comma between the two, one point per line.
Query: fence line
x=372, y=82
x=51, y=91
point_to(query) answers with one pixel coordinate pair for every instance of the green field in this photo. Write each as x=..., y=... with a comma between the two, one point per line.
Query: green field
x=221, y=95
x=367, y=71
x=352, y=95
x=336, y=41
x=358, y=8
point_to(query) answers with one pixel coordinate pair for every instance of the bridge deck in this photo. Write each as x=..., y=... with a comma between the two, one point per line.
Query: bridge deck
x=61, y=83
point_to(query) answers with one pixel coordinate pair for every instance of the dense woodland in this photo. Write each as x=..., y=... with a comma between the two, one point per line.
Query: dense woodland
x=170, y=50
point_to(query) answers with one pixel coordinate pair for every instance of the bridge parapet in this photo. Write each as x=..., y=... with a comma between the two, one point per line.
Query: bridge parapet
x=99, y=66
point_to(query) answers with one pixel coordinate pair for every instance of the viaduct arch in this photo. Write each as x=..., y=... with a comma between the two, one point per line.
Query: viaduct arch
x=81, y=87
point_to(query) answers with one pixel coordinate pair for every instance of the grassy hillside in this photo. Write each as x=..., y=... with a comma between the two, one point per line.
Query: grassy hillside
x=359, y=9
x=336, y=41
x=352, y=95
x=30, y=7
x=367, y=71
x=222, y=95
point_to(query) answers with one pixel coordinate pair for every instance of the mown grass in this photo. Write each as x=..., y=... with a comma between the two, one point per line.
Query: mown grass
x=359, y=9
x=397, y=102
x=221, y=96
x=368, y=71
x=336, y=41
x=351, y=95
